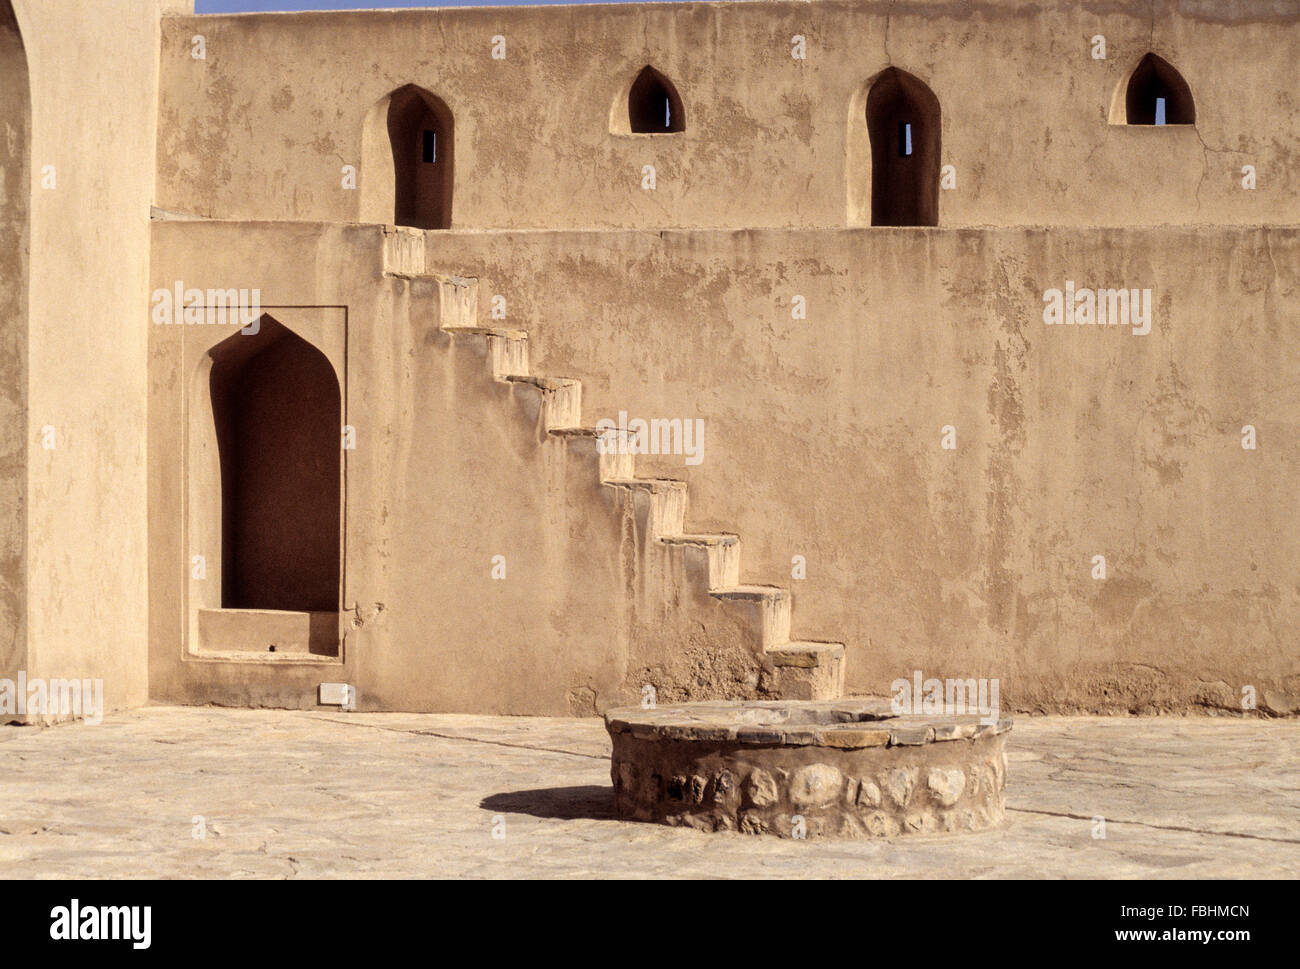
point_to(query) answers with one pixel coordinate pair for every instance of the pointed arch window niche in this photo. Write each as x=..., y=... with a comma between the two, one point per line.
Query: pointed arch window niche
x=1155, y=95
x=408, y=160
x=902, y=118
x=650, y=106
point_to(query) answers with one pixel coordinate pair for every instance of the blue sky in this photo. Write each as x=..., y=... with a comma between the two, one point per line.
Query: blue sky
x=244, y=6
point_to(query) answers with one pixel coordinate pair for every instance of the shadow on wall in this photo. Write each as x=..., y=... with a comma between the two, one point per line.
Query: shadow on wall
x=15, y=191
x=408, y=161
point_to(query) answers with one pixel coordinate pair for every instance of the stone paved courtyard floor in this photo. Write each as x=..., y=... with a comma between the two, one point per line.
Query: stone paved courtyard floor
x=321, y=795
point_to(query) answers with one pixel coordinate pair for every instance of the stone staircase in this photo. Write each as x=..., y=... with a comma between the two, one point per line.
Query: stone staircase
x=794, y=670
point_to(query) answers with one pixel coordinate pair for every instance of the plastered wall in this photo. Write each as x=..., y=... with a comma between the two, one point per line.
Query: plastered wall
x=823, y=439
x=93, y=90
x=263, y=125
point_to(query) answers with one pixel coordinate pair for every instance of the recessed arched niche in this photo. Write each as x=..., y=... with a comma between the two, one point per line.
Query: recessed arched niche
x=1155, y=95
x=650, y=105
x=408, y=160
x=265, y=484
x=893, y=152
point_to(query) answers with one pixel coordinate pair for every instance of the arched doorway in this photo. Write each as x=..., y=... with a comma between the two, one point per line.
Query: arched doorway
x=278, y=414
x=903, y=126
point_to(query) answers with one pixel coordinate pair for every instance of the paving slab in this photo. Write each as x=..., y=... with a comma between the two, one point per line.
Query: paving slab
x=291, y=794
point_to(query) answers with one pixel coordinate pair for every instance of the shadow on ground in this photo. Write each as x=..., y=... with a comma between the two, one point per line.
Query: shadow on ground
x=588, y=802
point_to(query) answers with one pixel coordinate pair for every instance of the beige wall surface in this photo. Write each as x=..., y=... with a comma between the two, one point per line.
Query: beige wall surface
x=94, y=96
x=449, y=470
x=822, y=433
x=15, y=201
x=823, y=439
x=262, y=127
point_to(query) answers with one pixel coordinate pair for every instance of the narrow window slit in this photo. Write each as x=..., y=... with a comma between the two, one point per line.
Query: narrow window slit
x=904, y=139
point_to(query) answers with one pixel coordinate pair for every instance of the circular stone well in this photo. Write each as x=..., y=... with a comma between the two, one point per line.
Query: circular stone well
x=833, y=769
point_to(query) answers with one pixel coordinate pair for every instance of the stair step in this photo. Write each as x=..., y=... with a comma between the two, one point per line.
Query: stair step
x=807, y=671
x=509, y=355
x=722, y=551
x=593, y=432
x=561, y=398
x=704, y=541
x=616, y=463
x=503, y=332
x=805, y=655
x=774, y=604
x=752, y=593
x=457, y=302
x=508, y=348
x=667, y=502
x=404, y=252
x=544, y=383
x=653, y=485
